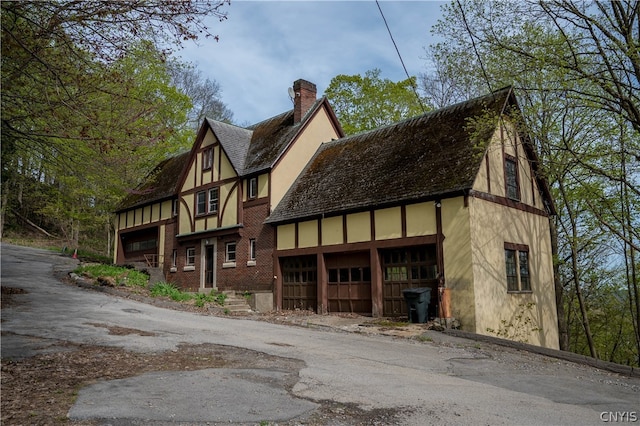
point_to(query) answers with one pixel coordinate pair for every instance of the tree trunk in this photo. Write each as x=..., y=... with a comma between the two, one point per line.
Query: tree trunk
x=575, y=272
x=563, y=332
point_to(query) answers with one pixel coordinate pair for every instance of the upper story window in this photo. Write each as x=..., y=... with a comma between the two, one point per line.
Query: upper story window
x=207, y=158
x=253, y=187
x=511, y=177
x=213, y=200
x=174, y=207
x=517, y=267
x=201, y=202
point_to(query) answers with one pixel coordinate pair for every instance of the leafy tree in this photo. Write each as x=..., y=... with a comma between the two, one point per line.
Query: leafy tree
x=575, y=67
x=87, y=104
x=365, y=103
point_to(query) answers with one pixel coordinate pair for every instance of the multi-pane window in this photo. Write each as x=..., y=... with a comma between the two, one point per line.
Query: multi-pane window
x=253, y=187
x=512, y=269
x=201, y=202
x=142, y=245
x=207, y=158
x=525, y=281
x=517, y=267
x=230, y=252
x=252, y=249
x=213, y=200
x=191, y=256
x=511, y=176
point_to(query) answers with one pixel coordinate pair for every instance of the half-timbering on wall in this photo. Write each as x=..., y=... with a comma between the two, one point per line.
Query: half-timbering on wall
x=451, y=201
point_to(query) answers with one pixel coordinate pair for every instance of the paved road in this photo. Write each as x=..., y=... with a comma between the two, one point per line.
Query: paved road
x=433, y=383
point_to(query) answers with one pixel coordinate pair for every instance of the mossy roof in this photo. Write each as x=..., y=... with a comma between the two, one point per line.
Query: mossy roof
x=160, y=184
x=422, y=158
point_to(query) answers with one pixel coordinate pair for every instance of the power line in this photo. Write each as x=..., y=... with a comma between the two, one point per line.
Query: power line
x=415, y=90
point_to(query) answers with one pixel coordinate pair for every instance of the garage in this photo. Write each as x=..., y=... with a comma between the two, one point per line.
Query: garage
x=299, y=282
x=349, y=283
x=408, y=267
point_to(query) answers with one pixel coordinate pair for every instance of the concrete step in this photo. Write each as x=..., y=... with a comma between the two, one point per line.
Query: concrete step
x=236, y=303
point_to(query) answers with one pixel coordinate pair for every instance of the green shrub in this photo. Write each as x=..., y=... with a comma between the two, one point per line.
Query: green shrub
x=123, y=276
x=171, y=291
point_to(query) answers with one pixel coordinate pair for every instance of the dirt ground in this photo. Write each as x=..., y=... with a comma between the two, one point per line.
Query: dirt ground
x=40, y=390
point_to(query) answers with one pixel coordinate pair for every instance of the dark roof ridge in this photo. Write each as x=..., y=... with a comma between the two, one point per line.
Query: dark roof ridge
x=426, y=115
x=226, y=123
x=282, y=114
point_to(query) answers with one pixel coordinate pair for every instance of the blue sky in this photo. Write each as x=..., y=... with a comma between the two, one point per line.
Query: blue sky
x=265, y=46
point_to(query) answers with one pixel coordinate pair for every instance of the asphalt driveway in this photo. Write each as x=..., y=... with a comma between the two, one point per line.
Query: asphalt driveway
x=428, y=381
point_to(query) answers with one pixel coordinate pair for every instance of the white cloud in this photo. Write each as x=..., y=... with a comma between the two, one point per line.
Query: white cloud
x=265, y=46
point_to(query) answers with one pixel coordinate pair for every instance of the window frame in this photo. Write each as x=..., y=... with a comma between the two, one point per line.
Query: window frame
x=209, y=199
x=202, y=202
x=190, y=256
x=207, y=158
x=517, y=270
x=252, y=249
x=252, y=187
x=511, y=178
x=228, y=252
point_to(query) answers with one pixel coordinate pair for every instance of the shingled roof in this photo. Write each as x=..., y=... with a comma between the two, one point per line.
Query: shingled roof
x=250, y=150
x=160, y=184
x=425, y=157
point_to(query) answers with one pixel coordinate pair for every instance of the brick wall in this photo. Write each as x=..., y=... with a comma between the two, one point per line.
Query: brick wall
x=243, y=277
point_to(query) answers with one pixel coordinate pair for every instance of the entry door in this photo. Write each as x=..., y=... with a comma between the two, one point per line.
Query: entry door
x=209, y=266
x=299, y=282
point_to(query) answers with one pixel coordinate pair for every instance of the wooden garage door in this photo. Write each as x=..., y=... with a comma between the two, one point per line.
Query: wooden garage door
x=349, y=283
x=408, y=267
x=299, y=282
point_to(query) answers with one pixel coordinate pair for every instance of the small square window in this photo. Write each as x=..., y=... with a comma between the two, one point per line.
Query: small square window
x=191, y=256
x=253, y=187
x=230, y=252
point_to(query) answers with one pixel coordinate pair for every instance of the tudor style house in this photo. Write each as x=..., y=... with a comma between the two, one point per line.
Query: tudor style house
x=451, y=201
x=200, y=216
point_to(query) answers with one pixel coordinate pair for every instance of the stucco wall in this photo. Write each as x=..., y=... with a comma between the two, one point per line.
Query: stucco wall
x=319, y=129
x=459, y=276
x=528, y=316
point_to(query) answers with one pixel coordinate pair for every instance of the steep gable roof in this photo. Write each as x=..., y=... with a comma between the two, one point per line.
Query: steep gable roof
x=160, y=184
x=425, y=157
x=234, y=140
x=250, y=150
x=273, y=136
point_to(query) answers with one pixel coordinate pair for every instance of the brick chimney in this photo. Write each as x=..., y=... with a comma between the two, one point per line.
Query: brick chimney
x=305, y=96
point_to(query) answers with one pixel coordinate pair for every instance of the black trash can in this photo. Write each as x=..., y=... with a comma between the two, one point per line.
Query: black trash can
x=417, y=303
